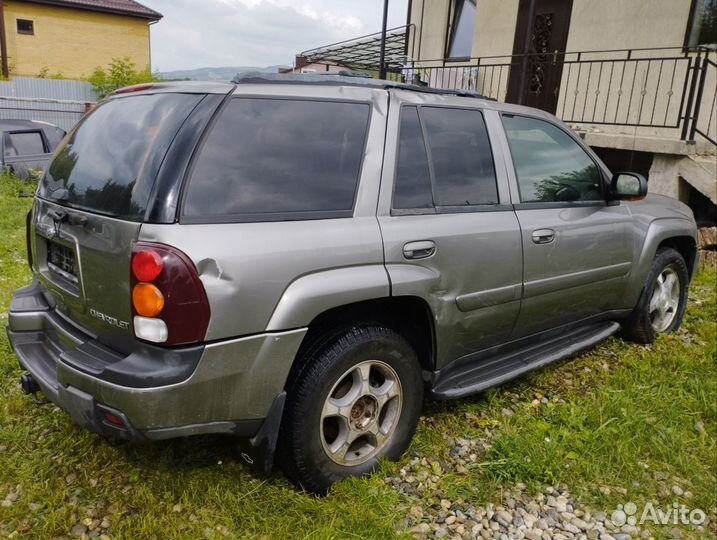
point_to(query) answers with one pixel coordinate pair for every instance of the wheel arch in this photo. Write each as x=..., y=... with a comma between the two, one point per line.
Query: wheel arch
x=410, y=316
x=685, y=246
x=679, y=234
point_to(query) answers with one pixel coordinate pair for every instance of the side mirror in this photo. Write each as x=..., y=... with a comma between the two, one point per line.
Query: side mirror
x=628, y=185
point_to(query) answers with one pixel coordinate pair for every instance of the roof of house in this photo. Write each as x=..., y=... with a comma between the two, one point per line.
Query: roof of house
x=118, y=7
x=364, y=52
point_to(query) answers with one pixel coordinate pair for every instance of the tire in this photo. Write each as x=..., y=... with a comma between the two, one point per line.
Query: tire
x=366, y=377
x=645, y=322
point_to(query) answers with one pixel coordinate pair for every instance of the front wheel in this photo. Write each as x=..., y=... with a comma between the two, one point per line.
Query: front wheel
x=354, y=400
x=663, y=301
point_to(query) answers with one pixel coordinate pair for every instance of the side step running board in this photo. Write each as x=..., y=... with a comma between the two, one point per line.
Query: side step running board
x=475, y=377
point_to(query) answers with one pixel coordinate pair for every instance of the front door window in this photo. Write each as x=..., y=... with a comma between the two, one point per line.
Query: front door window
x=551, y=167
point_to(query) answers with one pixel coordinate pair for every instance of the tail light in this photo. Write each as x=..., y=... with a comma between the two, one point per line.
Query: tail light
x=169, y=303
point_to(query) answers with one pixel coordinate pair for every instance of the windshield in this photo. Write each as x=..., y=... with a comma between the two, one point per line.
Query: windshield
x=109, y=162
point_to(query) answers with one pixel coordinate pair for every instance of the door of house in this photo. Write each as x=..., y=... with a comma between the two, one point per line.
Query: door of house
x=541, y=34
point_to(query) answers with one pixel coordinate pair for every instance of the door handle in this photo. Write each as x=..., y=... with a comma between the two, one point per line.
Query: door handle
x=543, y=236
x=419, y=250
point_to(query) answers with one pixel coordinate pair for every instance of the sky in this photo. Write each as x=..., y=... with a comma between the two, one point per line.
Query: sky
x=258, y=33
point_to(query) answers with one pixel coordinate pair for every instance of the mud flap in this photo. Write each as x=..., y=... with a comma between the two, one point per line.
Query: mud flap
x=259, y=451
x=80, y=406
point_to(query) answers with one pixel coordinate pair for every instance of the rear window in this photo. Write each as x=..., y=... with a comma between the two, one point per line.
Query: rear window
x=109, y=162
x=279, y=159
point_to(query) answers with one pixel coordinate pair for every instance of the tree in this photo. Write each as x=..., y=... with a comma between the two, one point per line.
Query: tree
x=121, y=72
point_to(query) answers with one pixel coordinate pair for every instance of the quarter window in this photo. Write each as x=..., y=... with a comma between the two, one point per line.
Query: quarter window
x=279, y=159
x=413, y=179
x=550, y=165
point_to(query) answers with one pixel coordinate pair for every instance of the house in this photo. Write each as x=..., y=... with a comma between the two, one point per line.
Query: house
x=301, y=66
x=73, y=37
x=637, y=79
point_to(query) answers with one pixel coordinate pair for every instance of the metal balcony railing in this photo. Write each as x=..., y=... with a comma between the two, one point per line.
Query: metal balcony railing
x=666, y=88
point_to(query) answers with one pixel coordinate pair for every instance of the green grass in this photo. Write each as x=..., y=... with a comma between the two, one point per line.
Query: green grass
x=615, y=416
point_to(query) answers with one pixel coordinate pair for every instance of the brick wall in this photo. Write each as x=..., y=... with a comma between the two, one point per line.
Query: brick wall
x=72, y=42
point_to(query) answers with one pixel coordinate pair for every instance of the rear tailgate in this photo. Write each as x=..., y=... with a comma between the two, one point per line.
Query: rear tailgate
x=91, y=204
x=83, y=262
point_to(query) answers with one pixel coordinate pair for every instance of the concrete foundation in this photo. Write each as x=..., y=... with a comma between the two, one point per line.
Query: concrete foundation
x=671, y=175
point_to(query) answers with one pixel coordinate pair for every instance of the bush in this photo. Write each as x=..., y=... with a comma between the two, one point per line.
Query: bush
x=121, y=72
x=45, y=74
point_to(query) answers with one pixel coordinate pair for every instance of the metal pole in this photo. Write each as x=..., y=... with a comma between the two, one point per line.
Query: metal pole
x=698, y=98
x=408, y=29
x=689, y=116
x=382, y=55
x=3, y=42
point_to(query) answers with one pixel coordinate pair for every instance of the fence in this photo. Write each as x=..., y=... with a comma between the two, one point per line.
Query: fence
x=59, y=102
x=673, y=89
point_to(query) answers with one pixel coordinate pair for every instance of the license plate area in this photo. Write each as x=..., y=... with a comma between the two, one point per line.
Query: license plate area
x=61, y=262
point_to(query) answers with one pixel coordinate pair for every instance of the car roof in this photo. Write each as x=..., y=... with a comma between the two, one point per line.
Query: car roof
x=188, y=87
x=347, y=78
x=256, y=77
x=10, y=125
x=360, y=80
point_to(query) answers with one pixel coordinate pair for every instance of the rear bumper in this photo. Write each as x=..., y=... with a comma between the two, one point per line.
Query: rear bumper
x=224, y=387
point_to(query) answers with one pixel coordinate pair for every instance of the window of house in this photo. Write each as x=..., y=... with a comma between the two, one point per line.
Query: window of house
x=550, y=165
x=278, y=159
x=462, y=171
x=460, y=44
x=25, y=26
x=702, y=26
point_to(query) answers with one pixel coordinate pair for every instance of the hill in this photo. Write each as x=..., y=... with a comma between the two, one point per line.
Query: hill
x=225, y=73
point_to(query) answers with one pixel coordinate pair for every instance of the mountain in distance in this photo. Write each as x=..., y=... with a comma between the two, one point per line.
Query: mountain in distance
x=226, y=73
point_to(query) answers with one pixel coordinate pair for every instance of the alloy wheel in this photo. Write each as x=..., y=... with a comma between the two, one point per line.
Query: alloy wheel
x=361, y=412
x=665, y=299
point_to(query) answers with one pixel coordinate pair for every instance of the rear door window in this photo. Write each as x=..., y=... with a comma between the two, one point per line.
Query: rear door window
x=462, y=159
x=109, y=163
x=279, y=159
x=24, y=143
x=444, y=160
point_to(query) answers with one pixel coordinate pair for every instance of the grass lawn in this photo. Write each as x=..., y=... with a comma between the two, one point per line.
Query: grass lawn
x=619, y=423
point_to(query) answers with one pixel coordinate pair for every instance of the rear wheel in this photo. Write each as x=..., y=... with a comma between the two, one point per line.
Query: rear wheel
x=355, y=400
x=663, y=300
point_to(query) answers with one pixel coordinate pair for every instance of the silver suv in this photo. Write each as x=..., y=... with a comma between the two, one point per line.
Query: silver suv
x=298, y=261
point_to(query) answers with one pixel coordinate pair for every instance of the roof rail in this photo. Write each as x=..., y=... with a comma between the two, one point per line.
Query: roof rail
x=346, y=78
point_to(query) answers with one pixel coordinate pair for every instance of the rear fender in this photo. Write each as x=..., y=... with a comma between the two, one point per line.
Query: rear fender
x=310, y=295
